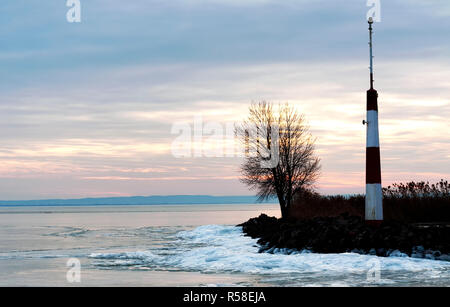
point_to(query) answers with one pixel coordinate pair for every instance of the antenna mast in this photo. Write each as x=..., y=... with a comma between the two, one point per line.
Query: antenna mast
x=371, y=53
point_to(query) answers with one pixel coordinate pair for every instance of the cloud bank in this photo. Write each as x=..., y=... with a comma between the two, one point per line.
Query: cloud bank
x=87, y=109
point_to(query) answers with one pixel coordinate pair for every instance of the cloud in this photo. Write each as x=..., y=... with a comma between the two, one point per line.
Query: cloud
x=330, y=94
x=98, y=100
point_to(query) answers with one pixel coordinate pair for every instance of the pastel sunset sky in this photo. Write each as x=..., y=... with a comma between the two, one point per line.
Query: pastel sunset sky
x=87, y=109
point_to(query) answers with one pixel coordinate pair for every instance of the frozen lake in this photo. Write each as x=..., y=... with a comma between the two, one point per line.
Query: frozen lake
x=178, y=245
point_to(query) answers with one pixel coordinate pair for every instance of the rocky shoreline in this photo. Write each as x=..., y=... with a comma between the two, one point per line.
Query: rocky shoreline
x=349, y=234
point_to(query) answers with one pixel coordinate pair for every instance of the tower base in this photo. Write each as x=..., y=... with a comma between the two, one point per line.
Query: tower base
x=374, y=223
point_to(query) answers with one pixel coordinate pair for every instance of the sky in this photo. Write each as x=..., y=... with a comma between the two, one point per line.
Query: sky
x=88, y=109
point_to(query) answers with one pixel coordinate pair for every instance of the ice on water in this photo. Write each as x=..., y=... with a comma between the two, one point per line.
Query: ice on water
x=218, y=248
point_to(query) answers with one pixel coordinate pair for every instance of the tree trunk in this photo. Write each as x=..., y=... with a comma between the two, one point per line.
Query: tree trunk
x=284, y=209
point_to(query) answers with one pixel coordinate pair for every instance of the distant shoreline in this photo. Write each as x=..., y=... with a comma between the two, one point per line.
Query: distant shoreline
x=140, y=201
x=138, y=205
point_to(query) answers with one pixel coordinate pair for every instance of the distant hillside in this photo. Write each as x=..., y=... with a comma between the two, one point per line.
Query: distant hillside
x=138, y=200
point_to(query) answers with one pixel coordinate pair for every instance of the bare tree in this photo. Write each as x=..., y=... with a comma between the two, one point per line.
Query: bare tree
x=279, y=153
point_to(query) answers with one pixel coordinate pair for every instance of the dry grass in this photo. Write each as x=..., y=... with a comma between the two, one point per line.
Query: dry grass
x=408, y=202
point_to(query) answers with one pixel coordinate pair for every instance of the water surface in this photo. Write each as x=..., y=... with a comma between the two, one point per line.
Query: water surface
x=178, y=245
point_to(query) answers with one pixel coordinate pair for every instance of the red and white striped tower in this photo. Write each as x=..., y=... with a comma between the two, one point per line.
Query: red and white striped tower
x=374, y=202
